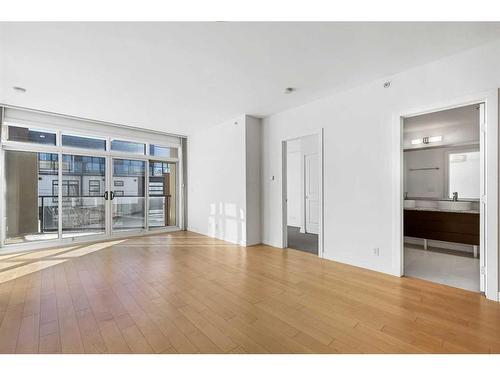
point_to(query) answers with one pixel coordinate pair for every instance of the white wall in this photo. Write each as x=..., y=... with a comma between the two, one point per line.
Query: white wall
x=360, y=156
x=224, y=181
x=217, y=181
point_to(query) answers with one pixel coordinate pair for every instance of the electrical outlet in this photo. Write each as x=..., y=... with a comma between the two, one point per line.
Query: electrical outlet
x=376, y=251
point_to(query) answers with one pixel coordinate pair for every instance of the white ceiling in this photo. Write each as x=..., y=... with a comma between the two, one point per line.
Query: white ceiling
x=182, y=77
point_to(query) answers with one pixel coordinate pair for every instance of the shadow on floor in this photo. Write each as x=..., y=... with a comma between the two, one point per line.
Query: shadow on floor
x=307, y=242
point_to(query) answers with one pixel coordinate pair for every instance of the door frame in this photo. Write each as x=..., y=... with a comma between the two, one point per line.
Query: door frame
x=284, y=217
x=489, y=204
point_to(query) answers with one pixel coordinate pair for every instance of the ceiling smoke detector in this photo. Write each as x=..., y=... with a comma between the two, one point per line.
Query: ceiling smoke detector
x=289, y=90
x=19, y=89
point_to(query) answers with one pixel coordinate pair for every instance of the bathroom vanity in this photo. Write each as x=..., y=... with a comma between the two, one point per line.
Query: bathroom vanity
x=433, y=223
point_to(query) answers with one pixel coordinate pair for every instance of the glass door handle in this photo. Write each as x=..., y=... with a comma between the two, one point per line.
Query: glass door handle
x=111, y=195
x=106, y=195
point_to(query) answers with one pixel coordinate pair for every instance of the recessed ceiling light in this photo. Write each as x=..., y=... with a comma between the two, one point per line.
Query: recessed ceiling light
x=289, y=90
x=19, y=89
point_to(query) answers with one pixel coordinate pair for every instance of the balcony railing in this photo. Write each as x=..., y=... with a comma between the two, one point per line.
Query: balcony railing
x=87, y=213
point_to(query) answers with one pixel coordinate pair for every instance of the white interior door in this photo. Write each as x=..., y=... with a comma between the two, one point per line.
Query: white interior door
x=311, y=172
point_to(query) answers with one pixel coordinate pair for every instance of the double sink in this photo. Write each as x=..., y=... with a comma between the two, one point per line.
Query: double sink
x=443, y=205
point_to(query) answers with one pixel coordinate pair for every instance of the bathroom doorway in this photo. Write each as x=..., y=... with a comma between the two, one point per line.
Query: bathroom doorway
x=302, y=181
x=443, y=196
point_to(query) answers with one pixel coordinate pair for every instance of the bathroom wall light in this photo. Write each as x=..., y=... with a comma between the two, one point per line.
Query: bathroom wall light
x=437, y=138
x=416, y=141
x=426, y=140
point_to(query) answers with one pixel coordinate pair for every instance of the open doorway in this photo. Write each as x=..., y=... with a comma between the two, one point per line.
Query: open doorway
x=302, y=179
x=443, y=182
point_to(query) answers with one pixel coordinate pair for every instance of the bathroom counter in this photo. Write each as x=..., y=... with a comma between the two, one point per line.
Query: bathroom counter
x=433, y=209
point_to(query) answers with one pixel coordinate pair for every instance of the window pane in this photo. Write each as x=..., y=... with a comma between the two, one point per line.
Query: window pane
x=83, y=186
x=124, y=146
x=162, y=194
x=83, y=142
x=19, y=134
x=32, y=203
x=165, y=152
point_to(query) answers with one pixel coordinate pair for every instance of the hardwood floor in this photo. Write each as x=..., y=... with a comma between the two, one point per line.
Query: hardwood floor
x=186, y=293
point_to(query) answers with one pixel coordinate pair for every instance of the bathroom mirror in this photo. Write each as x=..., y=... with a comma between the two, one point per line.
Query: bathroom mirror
x=437, y=172
x=463, y=173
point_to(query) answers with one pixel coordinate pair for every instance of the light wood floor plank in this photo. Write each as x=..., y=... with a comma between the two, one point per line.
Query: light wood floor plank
x=181, y=292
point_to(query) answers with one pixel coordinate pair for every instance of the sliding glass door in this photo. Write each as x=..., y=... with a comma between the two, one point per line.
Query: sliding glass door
x=33, y=191
x=127, y=195
x=83, y=192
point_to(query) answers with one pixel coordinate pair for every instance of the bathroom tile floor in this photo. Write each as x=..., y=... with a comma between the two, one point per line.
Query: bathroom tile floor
x=453, y=270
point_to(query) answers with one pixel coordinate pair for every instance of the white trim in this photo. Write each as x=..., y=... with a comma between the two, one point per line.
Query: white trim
x=284, y=194
x=321, y=236
x=179, y=191
x=59, y=196
x=284, y=217
x=3, y=212
x=490, y=98
x=3, y=199
x=146, y=196
x=108, y=206
x=482, y=194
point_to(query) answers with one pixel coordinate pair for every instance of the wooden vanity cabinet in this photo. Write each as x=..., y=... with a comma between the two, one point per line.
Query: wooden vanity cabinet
x=456, y=227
